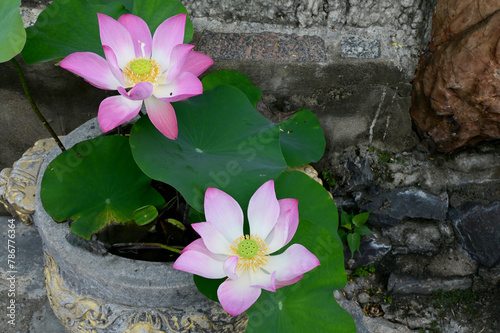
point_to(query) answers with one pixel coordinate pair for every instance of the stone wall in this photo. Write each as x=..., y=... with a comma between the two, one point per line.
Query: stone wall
x=436, y=228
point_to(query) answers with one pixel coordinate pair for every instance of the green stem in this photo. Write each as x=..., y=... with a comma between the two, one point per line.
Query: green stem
x=146, y=245
x=33, y=105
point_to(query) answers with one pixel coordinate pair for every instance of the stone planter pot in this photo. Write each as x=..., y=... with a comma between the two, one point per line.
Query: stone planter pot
x=106, y=293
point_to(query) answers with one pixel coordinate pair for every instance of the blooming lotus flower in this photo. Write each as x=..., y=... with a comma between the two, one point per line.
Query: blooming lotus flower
x=223, y=250
x=157, y=70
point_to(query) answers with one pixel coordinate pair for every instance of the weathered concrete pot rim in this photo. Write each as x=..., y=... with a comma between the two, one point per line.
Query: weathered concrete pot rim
x=123, y=278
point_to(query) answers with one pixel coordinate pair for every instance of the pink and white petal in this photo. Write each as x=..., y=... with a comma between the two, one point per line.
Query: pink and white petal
x=115, y=110
x=168, y=34
x=280, y=284
x=236, y=296
x=114, y=35
x=291, y=218
x=113, y=64
x=140, y=33
x=277, y=238
x=177, y=59
x=184, y=86
x=286, y=226
x=162, y=115
x=139, y=92
x=223, y=213
x=263, y=280
x=263, y=210
x=199, y=263
x=92, y=68
x=230, y=267
x=196, y=63
x=214, y=240
x=295, y=261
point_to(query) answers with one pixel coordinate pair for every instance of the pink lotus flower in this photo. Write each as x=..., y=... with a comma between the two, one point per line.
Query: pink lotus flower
x=157, y=70
x=223, y=250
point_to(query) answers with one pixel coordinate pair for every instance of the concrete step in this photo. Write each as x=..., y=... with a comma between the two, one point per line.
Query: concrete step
x=22, y=282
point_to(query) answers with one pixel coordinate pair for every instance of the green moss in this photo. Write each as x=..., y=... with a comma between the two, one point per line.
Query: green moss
x=454, y=300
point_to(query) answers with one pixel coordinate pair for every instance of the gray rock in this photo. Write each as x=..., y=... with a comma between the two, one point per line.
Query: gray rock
x=399, y=284
x=416, y=237
x=365, y=324
x=452, y=262
x=360, y=174
x=355, y=47
x=372, y=248
x=487, y=278
x=363, y=298
x=266, y=46
x=479, y=226
x=390, y=207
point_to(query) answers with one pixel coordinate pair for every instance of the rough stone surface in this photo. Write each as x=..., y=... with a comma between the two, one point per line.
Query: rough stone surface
x=262, y=46
x=478, y=225
x=451, y=17
x=452, y=262
x=487, y=278
x=371, y=250
x=472, y=174
x=455, y=89
x=410, y=285
x=417, y=237
x=390, y=207
x=365, y=324
x=356, y=47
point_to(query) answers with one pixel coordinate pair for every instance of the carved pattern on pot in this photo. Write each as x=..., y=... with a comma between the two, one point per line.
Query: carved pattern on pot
x=86, y=314
x=310, y=171
x=81, y=314
x=18, y=184
x=144, y=322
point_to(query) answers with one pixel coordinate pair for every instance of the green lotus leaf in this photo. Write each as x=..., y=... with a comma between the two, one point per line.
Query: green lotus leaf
x=302, y=139
x=223, y=142
x=145, y=215
x=66, y=26
x=235, y=79
x=96, y=183
x=12, y=34
x=154, y=12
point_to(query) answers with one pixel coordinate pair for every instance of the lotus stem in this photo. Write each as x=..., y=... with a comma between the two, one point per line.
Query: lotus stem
x=147, y=245
x=33, y=105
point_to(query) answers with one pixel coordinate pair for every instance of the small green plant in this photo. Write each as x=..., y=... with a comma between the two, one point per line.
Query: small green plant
x=386, y=157
x=352, y=227
x=328, y=176
x=361, y=272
